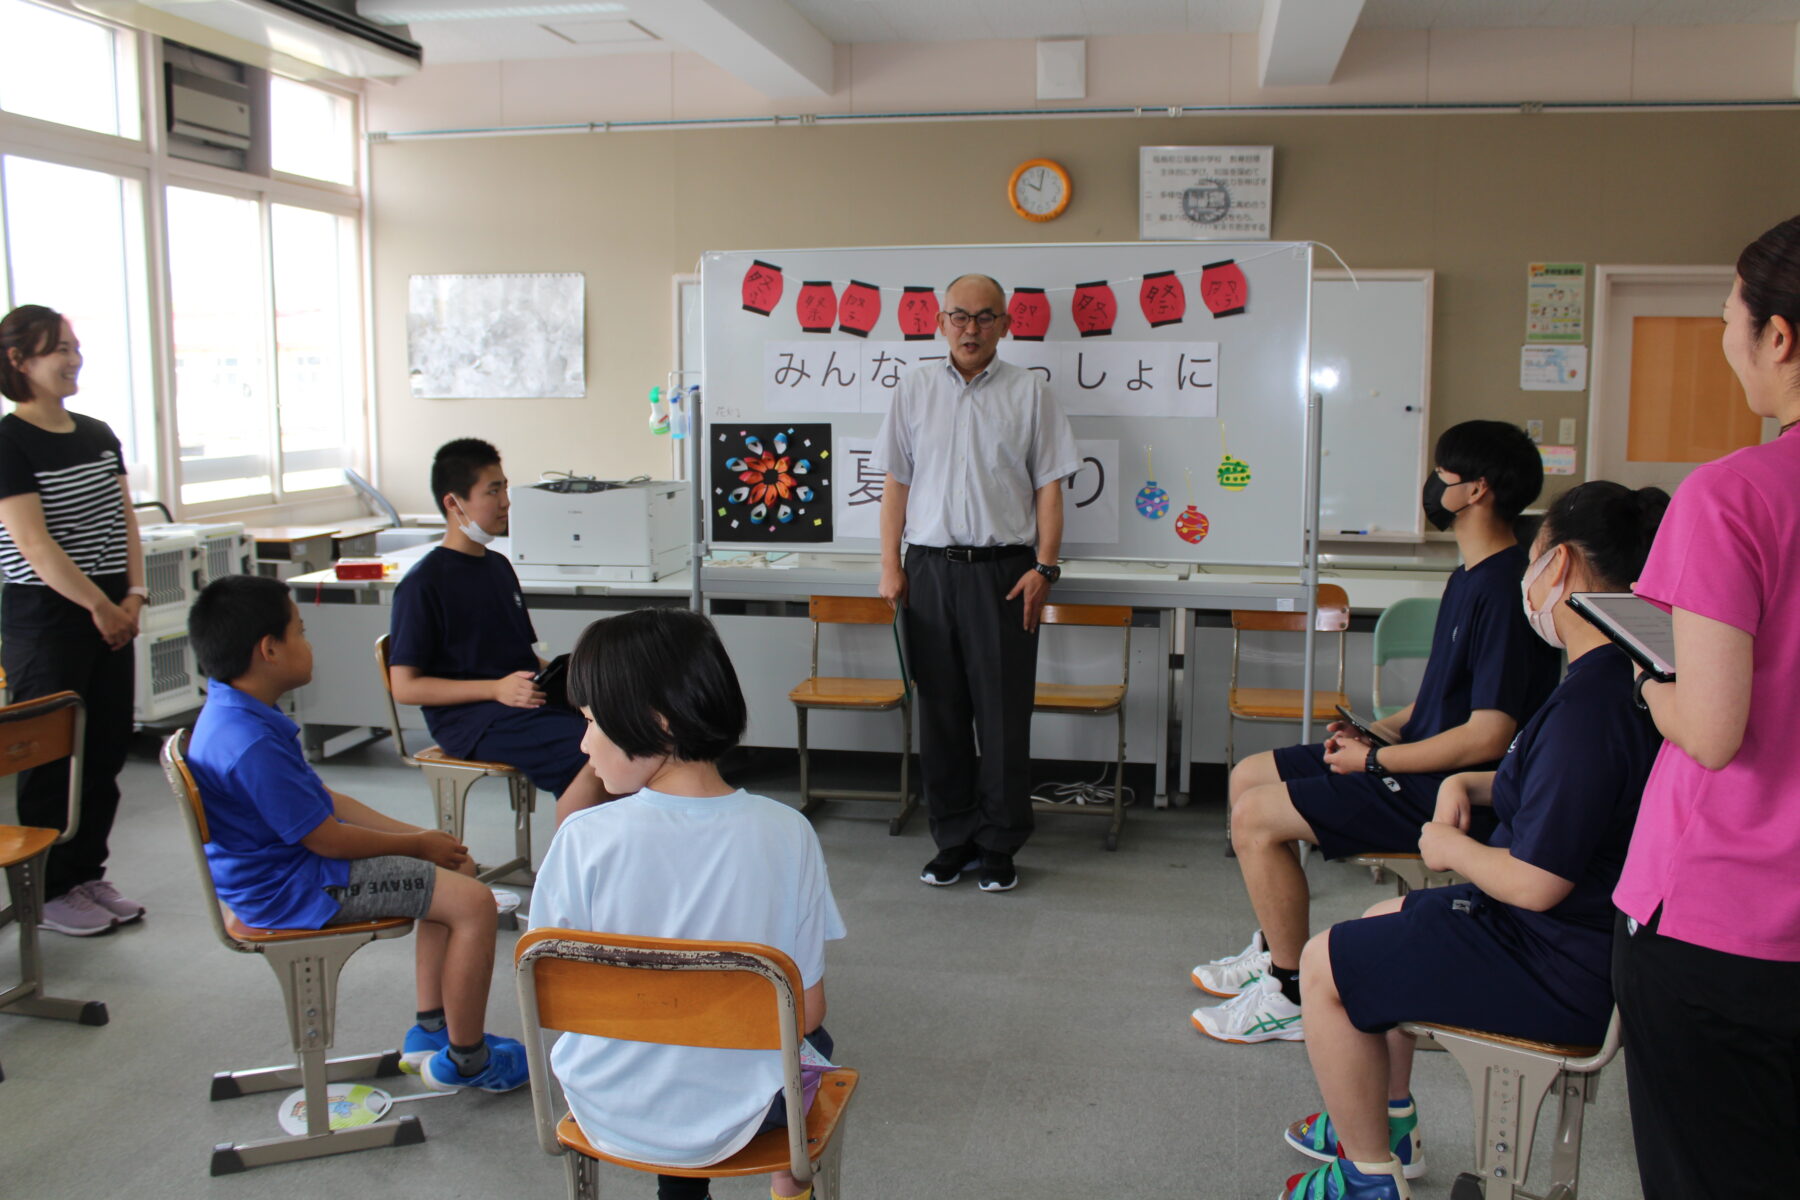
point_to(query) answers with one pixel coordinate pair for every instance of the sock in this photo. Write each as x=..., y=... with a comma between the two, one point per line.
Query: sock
x=1289, y=979
x=804, y=1194
x=1400, y=1108
x=433, y=1021
x=470, y=1060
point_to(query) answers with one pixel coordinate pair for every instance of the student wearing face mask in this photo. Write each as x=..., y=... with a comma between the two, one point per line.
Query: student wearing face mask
x=460, y=640
x=1485, y=677
x=1524, y=948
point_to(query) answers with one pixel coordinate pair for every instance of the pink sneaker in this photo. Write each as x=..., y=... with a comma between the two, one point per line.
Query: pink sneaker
x=77, y=914
x=103, y=893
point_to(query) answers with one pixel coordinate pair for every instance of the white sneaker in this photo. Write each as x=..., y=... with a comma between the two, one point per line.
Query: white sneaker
x=1228, y=977
x=1261, y=1014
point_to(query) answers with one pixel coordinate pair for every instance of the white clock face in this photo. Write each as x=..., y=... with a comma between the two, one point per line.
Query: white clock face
x=1039, y=191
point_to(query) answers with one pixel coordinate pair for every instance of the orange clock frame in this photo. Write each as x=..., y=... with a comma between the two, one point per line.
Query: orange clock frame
x=1055, y=168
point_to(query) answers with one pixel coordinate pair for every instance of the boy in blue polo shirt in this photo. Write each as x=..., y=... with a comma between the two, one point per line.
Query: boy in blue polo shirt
x=287, y=852
x=460, y=640
x=1486, y=675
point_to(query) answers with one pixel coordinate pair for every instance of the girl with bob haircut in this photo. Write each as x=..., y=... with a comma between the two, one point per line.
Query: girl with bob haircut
x=681, y=854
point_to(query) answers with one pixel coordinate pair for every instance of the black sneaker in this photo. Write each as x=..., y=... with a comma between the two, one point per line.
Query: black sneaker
x=949, y=865
x=997, y=874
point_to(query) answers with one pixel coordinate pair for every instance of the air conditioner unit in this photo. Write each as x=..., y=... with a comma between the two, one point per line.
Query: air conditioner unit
x=298, y=38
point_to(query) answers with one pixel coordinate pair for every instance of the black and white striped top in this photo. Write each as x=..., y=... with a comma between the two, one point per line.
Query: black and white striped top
x=76, y=476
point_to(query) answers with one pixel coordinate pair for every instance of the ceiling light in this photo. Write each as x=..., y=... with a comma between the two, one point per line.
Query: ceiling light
x=407, y=12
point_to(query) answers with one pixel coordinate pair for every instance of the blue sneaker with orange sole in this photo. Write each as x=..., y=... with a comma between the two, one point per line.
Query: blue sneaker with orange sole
x=506, y=1068
x=1315, y=1137
x=1341, y=1179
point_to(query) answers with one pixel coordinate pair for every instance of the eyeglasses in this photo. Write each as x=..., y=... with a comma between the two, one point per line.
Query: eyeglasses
x=984, y=319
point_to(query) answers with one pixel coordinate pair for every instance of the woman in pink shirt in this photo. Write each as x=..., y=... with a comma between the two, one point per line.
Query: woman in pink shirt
x=1707, y=959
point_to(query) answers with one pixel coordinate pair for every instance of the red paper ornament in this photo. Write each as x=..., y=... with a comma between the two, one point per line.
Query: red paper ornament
x=762, y=288
x=1095, y=309
x=1163, y=299
x=1030, y=313
x=1191, y=526
x=918, y=314
x=1223, y=288
x=817, y=306
x=858, y=308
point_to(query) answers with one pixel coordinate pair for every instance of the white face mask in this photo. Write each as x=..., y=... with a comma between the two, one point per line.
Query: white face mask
x=1542, y=622
x=472, y=531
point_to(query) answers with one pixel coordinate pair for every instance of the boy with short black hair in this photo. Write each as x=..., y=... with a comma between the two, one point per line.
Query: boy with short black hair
x=287, y=852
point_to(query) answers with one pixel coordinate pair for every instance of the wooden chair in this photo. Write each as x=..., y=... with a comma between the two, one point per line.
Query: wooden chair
x=854, y=695
x=1510, y=1078
x=1285, y=705
x=450, y=780
x=1092, y=700
x=32, y=734
x=725, y=995
x=306, y=963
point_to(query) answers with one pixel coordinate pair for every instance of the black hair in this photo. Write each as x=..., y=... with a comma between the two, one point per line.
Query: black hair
x=631, y=669
x=231, y=617
x=1609, y=525
x=1499, y=452
x=1770, y=270
x=456, y=467
x=31, y=329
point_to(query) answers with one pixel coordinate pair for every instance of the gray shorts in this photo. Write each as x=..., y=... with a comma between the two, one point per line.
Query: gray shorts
x=389, y=886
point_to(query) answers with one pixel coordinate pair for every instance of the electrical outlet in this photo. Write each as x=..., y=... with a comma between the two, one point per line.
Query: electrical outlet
x=1535, y=431
x=1565, y=431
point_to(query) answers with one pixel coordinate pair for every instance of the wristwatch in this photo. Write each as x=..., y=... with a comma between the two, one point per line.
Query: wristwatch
x=139, y=590
x=1372, y=764
x=1049, y=571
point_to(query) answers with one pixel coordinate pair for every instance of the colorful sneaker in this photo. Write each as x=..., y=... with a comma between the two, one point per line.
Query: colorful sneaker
x=103, y=893
x=949, y=865
x=1228, y=977
x=506, y=1068
x=77, y=914
x=997, y=873
x=1341, y=1179
x=1260, y=1014
x=420, y=1044
x=1316, y=1138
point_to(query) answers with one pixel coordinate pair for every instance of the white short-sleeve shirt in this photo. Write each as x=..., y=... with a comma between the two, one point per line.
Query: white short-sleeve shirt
x=974, y=453
x=738, y=868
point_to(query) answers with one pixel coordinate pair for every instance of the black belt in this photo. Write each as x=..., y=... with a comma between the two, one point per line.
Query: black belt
x=975, y=554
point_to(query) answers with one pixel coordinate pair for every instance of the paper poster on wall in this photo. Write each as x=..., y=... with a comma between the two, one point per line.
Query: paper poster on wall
x=1553, y=368
x=857, y=498
x=1091, y=495
x=1556, y=302
x=484, y=337
x=771, y=483
x=1205, y=193
x=1558, y=460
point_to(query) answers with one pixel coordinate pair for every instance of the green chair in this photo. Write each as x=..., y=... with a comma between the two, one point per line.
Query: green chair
x=1402, y=631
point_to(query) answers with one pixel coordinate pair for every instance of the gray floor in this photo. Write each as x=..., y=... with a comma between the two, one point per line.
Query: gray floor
x=1027, y=1046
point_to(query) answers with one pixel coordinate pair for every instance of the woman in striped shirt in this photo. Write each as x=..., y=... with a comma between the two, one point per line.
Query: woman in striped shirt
x=74, y=584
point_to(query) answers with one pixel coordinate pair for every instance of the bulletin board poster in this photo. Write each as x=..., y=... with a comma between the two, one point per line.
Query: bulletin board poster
x=1205, y=193
x=1556, y=302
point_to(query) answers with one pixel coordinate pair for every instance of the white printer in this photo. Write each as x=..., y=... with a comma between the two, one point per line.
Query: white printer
x=593, y=529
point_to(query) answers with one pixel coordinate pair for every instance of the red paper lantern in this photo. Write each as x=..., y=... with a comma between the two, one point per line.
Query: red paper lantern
x=1224, y=288
x=1162, y=298
x=858, y=308
x=918, y=314
x=817, y=306
x=1030, y=313
x=762, y=288
x=1095, y=309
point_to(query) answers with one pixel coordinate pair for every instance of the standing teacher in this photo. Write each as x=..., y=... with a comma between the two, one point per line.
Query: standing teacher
x=974, y=453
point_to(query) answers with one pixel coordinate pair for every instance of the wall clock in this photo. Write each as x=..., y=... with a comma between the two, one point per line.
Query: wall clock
x=1039, y=189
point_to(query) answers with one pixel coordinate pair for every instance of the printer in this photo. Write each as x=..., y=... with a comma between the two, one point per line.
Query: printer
x=577, y=529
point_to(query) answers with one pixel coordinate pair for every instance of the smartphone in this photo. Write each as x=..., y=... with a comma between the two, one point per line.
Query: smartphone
x=1357, y=723
x=552, y=680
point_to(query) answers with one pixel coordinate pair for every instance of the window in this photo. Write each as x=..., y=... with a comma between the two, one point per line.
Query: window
x=312, y=132
x=59, y=67
x=317, y=366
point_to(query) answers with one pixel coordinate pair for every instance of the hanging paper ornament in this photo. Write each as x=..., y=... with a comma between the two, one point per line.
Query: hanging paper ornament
x=762, y=288
x=1191, y=526
x=1030, y=313
x=816, y=306
x=1152, y=501
x=1162, y=298
x=1223, y=288
x=858, y=308
x=1234, y=473
x=918, y=314
x=1095, y=308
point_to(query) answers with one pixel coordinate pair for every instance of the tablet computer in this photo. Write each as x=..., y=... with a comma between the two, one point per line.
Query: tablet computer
x=1638, y=627
x=1361, y=726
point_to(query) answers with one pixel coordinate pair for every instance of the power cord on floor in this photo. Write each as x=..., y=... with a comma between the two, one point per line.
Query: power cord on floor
x=1082, y=793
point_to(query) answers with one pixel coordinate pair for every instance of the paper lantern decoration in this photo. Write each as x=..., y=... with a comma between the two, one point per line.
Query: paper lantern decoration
x=1030, y=313
x=1162, y=298
x=762, y=288
x=918, y=314
x=1095, y=309
x=1152, y=501
x=859, y=308
x=817, y=306
x=1234, y=474
x=1223, y=288
x=1192, y=525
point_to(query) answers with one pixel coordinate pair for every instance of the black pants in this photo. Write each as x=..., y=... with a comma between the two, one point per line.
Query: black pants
x=976, y=672
x=1712, y=1065
x=48, y=644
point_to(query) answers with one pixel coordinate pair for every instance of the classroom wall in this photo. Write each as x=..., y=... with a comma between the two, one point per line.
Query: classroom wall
x=1475, y=197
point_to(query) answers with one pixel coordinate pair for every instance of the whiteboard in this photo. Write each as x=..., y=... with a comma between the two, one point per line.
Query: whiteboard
x=1246, y=403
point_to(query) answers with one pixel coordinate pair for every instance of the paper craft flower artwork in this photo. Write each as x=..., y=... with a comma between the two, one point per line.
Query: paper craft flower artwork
x=770, y=478
x=771, y=483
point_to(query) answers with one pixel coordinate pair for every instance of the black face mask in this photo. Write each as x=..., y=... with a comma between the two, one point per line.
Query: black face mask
x=1432, y=496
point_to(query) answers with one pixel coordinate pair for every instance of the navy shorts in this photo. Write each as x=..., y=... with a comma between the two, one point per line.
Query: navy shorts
x=1358, y=813
x=1454, y=957
x=545, y=743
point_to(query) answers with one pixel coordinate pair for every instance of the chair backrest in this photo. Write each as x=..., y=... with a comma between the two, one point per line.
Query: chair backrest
x=193, y=813
x=1111, y=616
x=1333, y=615
x=1404, y=629
x=36, y=732
x=850, y=610
x=387, y=694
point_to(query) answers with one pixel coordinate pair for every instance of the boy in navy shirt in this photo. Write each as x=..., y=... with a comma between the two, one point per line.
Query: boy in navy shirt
x=287, y=852
x=460, y=640
x=1486, y=675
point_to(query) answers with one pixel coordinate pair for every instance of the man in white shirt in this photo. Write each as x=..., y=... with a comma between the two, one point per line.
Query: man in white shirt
x=974, y=453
